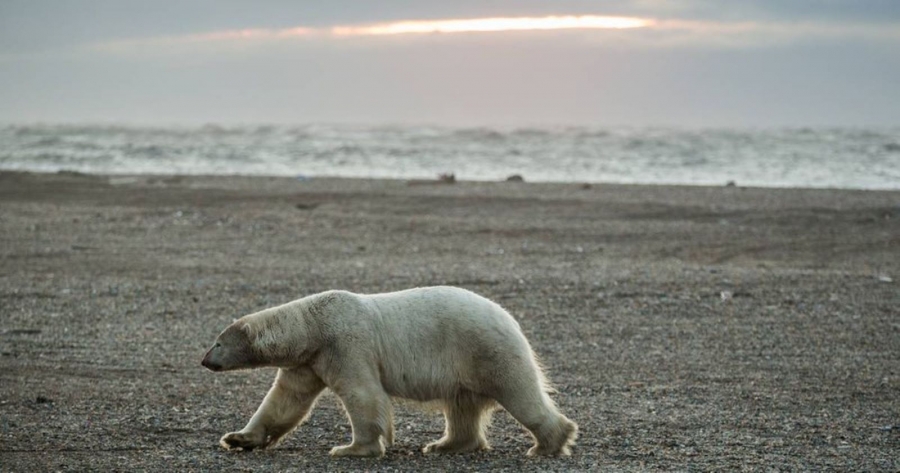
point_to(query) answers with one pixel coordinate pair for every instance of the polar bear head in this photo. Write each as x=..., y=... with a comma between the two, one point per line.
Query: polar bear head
x=233, y=350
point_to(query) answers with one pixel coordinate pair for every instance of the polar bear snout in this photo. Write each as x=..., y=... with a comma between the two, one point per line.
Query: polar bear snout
x=208, y=362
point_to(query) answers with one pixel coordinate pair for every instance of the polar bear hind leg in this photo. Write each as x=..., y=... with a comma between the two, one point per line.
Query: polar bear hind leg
x=467, y=416
x=527, y=401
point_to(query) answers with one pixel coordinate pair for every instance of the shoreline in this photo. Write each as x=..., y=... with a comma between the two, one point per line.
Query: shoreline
x=436, y=181
x=685, y=327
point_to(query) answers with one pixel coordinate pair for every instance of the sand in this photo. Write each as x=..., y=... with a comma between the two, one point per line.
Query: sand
x=686, y=328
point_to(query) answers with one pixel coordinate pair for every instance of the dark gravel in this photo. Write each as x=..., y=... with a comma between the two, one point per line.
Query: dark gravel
x=686, y=328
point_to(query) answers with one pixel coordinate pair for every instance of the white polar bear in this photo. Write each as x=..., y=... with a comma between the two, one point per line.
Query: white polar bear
x=441, y=344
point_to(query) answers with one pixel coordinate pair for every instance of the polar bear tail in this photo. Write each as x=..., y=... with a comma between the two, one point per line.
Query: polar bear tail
x=546, y=385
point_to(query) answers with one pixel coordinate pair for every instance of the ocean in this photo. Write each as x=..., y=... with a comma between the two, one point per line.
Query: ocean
x=801, y=157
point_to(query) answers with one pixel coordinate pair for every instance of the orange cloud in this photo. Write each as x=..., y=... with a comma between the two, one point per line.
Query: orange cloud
x=482, y=25
x=562, y=22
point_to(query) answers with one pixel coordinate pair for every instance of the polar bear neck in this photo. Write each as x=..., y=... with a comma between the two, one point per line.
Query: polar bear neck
x=282, y=336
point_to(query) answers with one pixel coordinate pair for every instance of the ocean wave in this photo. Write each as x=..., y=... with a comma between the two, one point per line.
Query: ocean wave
x=801, y=157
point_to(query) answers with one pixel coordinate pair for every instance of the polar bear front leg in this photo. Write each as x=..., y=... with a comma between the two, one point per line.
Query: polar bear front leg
x=371, y=416
x=286, y=405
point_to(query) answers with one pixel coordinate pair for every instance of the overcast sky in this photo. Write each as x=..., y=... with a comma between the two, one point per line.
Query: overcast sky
x=762, y=63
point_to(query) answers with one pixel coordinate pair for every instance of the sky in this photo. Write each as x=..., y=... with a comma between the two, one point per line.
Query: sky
x=675, y=63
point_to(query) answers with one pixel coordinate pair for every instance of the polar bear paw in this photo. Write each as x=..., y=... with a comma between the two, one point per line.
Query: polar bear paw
x=449, y=446
x=374, y=449
x=243, y=441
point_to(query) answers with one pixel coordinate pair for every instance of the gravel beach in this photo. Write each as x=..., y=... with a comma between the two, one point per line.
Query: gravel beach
x=685, y=328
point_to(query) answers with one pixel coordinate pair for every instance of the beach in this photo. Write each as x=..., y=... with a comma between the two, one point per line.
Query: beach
x=684, y=327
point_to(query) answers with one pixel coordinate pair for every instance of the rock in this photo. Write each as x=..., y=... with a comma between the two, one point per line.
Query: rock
x=447, y=177
x=443, y=178
x=21, y=331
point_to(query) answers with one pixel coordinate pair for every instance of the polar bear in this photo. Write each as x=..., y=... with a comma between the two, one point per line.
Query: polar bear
x=442, y=345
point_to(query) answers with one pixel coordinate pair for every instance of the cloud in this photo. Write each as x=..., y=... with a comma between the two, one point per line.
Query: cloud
x=29, y=26
x=494, y=25
x=258, y=35
x=447, y=26
x=650, y=32
x=671, y=33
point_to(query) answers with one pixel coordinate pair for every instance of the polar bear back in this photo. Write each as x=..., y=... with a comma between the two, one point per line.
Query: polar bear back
x=431, y=343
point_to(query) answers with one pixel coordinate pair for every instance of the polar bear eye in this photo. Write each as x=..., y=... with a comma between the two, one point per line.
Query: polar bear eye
x=217, y=345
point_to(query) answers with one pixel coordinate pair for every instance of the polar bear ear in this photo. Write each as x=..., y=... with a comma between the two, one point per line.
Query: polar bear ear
x=251, y=330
